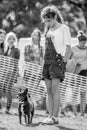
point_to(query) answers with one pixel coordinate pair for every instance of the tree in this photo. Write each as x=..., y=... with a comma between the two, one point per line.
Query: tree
x=82, y=4
x=22, y=16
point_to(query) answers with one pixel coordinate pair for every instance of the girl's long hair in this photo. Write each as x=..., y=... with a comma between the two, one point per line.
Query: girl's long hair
x=50, y=11
x=46, y=30
x=6, y=40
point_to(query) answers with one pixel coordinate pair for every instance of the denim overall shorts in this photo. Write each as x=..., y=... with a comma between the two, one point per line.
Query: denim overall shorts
x=54, y=66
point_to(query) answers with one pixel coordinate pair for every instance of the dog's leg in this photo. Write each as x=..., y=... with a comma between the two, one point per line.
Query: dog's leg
x=20, y=114
x=29, y=119
x=32, y=112
x=25, y=119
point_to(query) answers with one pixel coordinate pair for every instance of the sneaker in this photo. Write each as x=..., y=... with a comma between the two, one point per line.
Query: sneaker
x=74, y=116
x=82, y=115
x=48, y=121
x=55, y=120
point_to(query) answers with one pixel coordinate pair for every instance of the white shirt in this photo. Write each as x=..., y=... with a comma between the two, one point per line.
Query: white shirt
x=60, y=37
x=80, y=56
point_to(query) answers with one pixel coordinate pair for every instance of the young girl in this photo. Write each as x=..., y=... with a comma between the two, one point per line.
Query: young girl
x=79, y=58
x=12, y=51
x=2, y=39
x=56, y=54
x=34, y=53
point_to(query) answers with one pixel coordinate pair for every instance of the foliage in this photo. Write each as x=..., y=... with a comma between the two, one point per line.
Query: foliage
x=22, y=16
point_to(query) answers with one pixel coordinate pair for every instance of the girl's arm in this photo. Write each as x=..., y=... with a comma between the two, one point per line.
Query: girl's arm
x=68, y=53
x=41, y=55
x=67, y=42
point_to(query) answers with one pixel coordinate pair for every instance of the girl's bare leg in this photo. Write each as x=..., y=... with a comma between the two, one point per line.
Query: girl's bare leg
x=50, y=97
x=56, y=96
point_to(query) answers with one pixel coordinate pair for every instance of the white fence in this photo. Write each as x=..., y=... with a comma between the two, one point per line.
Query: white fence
x=70, y=88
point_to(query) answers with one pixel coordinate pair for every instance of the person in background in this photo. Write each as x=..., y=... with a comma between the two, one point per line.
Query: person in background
x=26, y=53
x=2, y=39
x=57, y=52
x=77, y=64
x=34, y=52
x=10, y=50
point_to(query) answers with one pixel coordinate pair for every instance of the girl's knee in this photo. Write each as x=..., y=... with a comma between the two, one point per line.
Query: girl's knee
x=48, y=86
x=55, y=88
x=49, y=91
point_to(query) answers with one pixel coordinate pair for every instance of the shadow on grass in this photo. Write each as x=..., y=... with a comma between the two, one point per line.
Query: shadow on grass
x=39, y=115
x=63, y=127
x=35, y=124
x=2, y=128
x=31, y=125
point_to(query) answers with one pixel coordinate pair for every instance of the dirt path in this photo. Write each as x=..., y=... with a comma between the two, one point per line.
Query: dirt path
x=11, y=122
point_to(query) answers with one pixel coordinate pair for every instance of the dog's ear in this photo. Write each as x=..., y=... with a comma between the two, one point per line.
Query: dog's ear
x=26, y=91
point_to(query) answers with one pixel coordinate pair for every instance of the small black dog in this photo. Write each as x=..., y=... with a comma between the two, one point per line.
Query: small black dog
x=26, y=106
